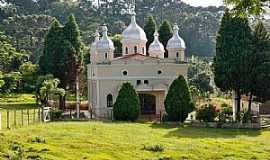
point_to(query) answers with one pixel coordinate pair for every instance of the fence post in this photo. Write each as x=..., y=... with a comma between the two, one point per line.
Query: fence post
x=8, y=123
x=0, y=119
x=22, y=116
x=34, y=117
x=28, y=118
x=39, y=114
x=15, y=121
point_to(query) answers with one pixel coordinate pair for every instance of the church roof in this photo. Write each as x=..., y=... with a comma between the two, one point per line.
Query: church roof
x=137, y=56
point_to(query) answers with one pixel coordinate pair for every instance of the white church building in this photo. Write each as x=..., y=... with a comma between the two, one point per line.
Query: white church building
x=151, y=75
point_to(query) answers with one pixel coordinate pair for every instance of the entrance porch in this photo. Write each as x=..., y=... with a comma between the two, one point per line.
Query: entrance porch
x=152, y=104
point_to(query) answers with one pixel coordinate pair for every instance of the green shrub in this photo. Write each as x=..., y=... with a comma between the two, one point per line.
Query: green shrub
x=56, y=114
x=154, y=148
x=207, y=113
x=127, y=105
x=246, y=117
x=178, y=102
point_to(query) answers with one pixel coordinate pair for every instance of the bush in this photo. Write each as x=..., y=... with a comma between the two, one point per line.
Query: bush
x=207, y=113
x=56, y=114
x=154, y=148
x=178, y=102
x=246, y=117
x=127, y=105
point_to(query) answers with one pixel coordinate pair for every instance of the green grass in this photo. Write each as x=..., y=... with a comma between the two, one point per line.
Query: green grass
x=131, y=141
x=17, y=101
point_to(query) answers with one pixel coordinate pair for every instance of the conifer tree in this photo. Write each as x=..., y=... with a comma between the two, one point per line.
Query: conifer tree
x=178, y=102
x=233, y=53
x=165, y=33
x=150, y=28
x=260, y=75
x=127, y=105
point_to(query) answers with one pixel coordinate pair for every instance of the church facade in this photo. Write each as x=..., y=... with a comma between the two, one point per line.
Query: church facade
x=151, y=75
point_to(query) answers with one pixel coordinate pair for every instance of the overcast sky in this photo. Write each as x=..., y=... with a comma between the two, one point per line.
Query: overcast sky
x=204, y=3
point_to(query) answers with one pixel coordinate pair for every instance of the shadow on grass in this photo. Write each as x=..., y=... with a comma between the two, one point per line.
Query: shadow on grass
x=190, y=132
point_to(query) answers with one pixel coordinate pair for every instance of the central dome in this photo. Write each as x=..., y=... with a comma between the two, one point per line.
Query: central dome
x=134, y=31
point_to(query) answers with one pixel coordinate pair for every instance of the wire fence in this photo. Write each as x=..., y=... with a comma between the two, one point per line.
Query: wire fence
x=15, y=118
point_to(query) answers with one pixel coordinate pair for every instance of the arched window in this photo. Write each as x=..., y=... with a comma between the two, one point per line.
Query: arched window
x=126, y=50
x=166, y=55
x=106, y=55
x=143, y=50
x=177, y=55
x=135, y=49
x=109, y=100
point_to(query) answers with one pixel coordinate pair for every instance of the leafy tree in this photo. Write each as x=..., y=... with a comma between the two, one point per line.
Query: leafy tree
x=243, y=7
x=202, y=82
x=178, y=102
x=50, y=87
x=150, y=28
x=165, y=33
x=10, y=59
x=29, y=74
x=117, y=43
x=127, y=105
x=11, y=82
x=233, y=54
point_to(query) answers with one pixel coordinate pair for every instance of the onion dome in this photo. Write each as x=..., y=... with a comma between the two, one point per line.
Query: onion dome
x=134, y=31
x=176, y=42
x=105, y=44
x=156, y=48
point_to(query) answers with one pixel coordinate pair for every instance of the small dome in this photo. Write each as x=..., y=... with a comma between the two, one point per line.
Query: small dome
x=134, y=31
x=176, y=42
x=156, y=47
x=105, y=44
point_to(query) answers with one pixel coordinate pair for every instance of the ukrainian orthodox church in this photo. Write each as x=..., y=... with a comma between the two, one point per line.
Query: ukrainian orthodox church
x=151, y=75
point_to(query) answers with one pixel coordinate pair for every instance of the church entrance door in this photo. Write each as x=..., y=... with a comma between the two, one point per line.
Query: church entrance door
x=148, y=104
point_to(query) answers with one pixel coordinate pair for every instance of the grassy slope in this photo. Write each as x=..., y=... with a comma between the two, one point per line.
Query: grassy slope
x=98, y=141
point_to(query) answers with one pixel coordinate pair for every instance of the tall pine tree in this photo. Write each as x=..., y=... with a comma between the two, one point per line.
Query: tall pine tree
x=260, y=61
x=150, y=28
x=165, y=33
x=233, y=53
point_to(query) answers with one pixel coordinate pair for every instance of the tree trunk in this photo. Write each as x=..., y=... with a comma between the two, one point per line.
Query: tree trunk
x=77, y=95
x=250, y=102
x=238, y=105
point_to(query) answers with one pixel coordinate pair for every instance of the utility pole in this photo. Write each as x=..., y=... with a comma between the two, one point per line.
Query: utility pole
x=78, y=93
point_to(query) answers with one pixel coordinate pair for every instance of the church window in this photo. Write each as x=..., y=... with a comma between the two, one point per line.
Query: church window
x=139, y=82
x=106, y=55
x=146, y=82
x=126, y=50
x=135, y=49
x=109, y=100
x=125, y=73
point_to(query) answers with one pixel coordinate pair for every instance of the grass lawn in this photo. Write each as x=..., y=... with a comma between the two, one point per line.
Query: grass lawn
x=14, y=101
x=128, y=141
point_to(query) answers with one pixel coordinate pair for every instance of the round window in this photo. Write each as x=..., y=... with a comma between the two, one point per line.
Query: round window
x=159, y=72
x=125, y=73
